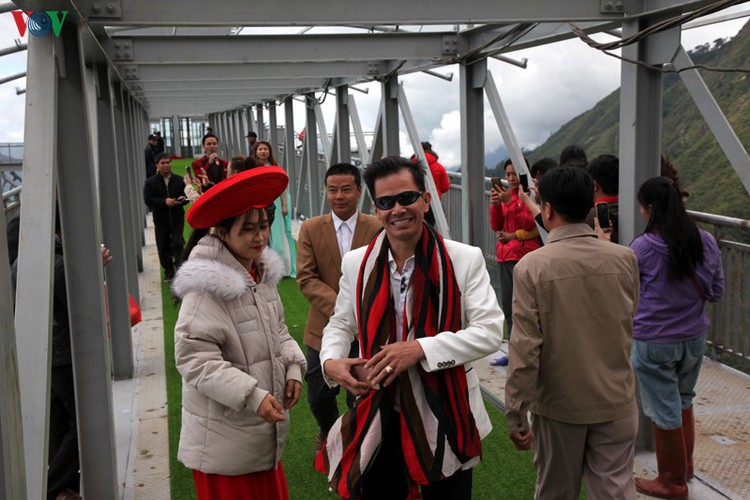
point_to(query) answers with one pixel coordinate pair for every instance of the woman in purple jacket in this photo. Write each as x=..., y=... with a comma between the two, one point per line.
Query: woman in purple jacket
x=680, y=268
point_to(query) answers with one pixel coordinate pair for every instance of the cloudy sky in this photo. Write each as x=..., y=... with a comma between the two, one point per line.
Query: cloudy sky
x=561, y=81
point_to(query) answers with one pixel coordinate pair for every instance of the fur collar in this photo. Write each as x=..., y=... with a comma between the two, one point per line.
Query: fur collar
x=220, y=274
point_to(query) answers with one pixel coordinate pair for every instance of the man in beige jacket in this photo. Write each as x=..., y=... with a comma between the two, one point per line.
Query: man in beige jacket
x=323, y=241
x=573, y=303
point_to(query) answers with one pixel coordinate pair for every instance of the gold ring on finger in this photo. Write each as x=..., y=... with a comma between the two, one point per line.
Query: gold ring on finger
x=389, y=369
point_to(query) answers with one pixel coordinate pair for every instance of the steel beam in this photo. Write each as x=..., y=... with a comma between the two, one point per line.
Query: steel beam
x=10, y=78
x=242, y=119
x=387, y=12
x=389, y=111
x=113, y=222
x=311, y=152
x=19, y=47
x=12, y=473
x=411, y=129
x=503, y=122
x=84, y=279
x=35, y=259
x=252, y=123
x=233, y=133
x=223, y=138
x=640, y=128
x=714, y=116
x=473, y=79
x=323, y=132
x=137, y=138
x=176, y=135
x=289, y=48
x=343, y=139
x=359, y=135
x=130, y=196
x=261, y=122
x=533, y=36
x=290, y=154
x=239, y=86
x=132, y=163
x=273, y=132
x=244, y=72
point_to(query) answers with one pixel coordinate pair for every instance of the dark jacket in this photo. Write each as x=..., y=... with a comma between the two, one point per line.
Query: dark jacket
x=60, y=327
x=150, y=156
x=155, y=194
x=216, y=172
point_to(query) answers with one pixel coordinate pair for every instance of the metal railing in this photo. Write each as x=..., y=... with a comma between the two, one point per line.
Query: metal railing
x=729, y=332
x=11, y=153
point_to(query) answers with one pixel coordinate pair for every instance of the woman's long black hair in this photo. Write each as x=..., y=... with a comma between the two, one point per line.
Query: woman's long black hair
x=670, y=220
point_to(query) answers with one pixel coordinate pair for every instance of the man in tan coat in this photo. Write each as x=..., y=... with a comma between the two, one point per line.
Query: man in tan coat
x=573, y=306
x=322, y=243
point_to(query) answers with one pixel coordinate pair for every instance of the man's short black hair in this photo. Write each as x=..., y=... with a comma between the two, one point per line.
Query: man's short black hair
x=251, y=134
x=392, y=165
x=208, y=136
x=345, y=169
x=573, y=156
x=570, y=191
x=162, y=156
x=605, y=170
x=541, y=167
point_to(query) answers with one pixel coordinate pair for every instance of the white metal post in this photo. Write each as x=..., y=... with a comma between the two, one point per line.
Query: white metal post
x=35, y=258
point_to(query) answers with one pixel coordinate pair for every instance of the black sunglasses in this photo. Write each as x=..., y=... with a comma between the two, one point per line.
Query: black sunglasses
x=404, y=199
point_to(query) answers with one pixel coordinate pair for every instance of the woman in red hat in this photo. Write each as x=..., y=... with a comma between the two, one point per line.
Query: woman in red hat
x=241, y=368
x=281, y=228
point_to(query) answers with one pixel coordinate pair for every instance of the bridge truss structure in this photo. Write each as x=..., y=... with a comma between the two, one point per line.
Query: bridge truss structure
x=116, y=64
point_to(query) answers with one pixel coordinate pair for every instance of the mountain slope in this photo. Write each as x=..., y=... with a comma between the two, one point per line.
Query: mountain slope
x=704, y=170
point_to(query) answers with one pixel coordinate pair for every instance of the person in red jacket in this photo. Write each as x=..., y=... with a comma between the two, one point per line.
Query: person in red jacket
x=516, y=234
x=210, y=169
x=439, y=175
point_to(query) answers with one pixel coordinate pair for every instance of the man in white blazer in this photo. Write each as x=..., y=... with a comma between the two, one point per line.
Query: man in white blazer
x=411, y=356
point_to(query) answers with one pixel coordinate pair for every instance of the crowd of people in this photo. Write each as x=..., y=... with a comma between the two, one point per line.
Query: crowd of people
x=398, y=314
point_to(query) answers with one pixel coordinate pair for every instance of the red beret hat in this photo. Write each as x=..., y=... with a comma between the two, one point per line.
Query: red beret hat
x=254, y=188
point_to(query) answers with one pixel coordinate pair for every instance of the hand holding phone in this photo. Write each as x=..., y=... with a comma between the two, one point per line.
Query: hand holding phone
x=602, y=215
x=524, y=180
x=499, y=193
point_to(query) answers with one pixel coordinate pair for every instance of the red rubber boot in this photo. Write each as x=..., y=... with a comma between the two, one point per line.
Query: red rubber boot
x=671, y=461
x=688, y=433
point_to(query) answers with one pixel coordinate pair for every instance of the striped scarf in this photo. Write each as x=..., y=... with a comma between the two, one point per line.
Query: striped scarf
x=438, y=432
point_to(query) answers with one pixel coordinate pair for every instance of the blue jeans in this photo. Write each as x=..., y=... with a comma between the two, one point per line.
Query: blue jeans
x=666, y=375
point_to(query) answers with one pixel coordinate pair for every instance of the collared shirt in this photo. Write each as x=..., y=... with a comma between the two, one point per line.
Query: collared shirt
x=345, y=231
x=166, y=180
x=399, y=284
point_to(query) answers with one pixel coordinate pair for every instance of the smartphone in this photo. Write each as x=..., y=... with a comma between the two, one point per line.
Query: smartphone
x=524, y=180
x=189, y=173
x=602, y=213
x=497, y=182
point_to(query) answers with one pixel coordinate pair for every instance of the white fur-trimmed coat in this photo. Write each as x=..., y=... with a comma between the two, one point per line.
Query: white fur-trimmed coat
x=232, y=348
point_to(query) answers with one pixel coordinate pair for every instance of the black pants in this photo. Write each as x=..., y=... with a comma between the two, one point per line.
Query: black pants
x=386, y=476
x=506, y=293
x=169, y=244
x=63, y=434
x=320, y=397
